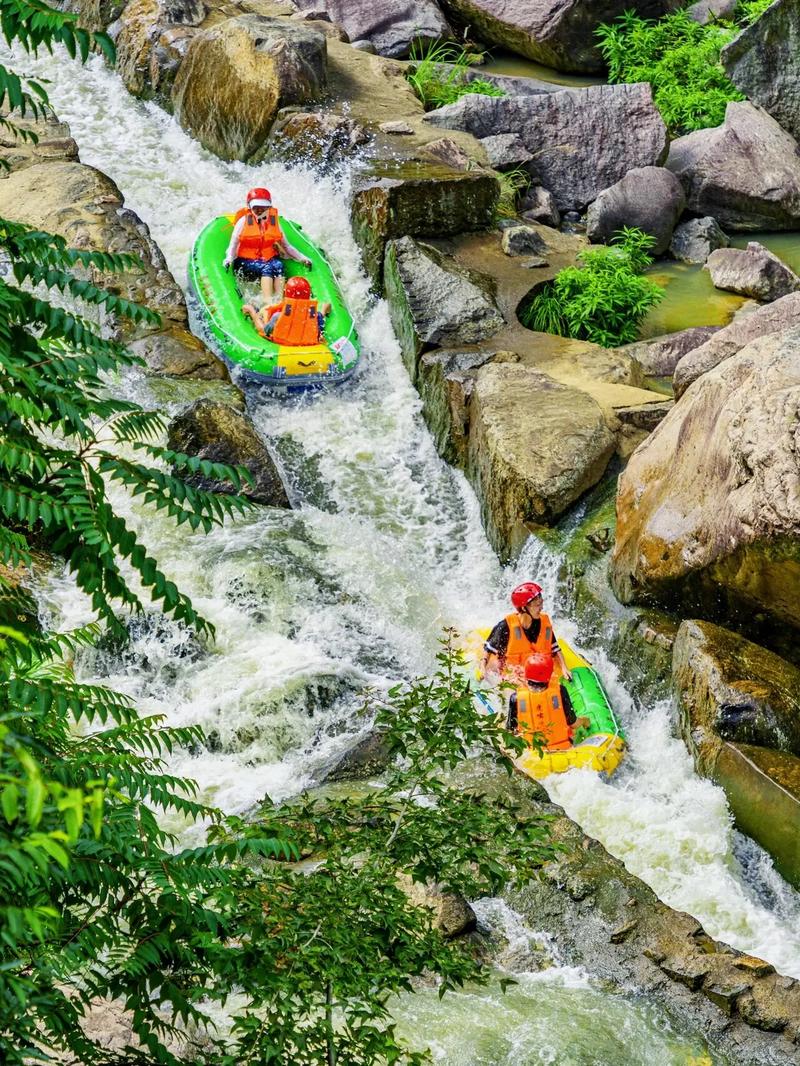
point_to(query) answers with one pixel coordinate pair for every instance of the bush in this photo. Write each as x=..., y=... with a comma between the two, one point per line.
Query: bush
x=680, y=59
x=749, y=10
x=439, y=75
x=604, y=299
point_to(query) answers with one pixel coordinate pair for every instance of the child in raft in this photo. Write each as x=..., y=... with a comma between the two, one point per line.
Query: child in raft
x=296, y=320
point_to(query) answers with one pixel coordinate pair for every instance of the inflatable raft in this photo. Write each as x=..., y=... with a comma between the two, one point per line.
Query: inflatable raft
x=220, y=295
x=599, y=747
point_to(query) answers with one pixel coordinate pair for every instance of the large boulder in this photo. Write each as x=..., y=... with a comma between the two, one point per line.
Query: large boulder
x=753, y=271
x=764, y=63
x=650, y=198
x=177, y=353
x=552, y=32
x=221, y=434
x=535, y=446
x=239, y=73
x=146, y=67
x=708, y=508
x=435, y=303
x=695, y=240
x=705, y=11
x=400, y=198
x=746, y=172
x=776, y=317
x=658, y=356
x=582, y=140
x=391, y=26
x=740, y=718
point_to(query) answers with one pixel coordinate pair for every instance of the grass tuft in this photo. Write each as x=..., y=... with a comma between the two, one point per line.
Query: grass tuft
x=439, y=74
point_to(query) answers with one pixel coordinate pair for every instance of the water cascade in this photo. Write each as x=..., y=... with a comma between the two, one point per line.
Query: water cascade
x=353, y=587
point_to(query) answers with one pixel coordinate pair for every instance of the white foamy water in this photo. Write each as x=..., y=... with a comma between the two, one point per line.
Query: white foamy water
x=353, y=589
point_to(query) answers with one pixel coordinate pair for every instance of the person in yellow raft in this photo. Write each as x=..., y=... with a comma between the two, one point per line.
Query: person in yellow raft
x=523, y=648
x=258, y=247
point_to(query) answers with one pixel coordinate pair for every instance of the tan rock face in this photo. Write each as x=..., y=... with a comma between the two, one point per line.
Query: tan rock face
x=55, y=143
x=708, y=509
x=534, y=447
x=239, y=73
x=85, y=207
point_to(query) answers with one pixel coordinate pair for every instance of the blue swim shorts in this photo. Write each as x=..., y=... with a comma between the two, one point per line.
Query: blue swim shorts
x=259, y=268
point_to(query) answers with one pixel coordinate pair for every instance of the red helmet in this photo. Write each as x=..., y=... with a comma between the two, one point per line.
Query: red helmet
x=539, y=668
x=259, y=198
x=524, y=593
x=297, y=289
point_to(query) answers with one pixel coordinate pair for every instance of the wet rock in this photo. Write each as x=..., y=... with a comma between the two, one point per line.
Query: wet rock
x=695, y=240
x=705, y=11
x=582, y=140
x=531, y=477
x=319, y=137
x=658, y=356
x=753, y=271
x=650, y=198
x=452, y=915
x=136, y=34
x=445, y=380
x=95, y=14
x=708, y=508
x=55, y=143
x=731, y=689
x=85, y=207
x=239, y=73
x=399, y=198
x=551, y=32
x=178, y=353
x=538, y=205
x=763, y=62
x=644, y=416
x=435, y=303
x=220, y=433
x=367, y=758
x=774, y=318
x=745, y=173
x=522, y=240
x=390, y=26
x=506, y=150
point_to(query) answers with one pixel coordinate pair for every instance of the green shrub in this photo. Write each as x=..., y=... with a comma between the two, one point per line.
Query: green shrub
x=512, y=183
x=604, y=299
x=680, y=59
x=749, y=10
x=439, y=75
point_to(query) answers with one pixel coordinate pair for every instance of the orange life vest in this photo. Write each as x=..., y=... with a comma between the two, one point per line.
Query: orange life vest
x=259, y=235
x=543, y=712
x=297, y=323
x=520, y=648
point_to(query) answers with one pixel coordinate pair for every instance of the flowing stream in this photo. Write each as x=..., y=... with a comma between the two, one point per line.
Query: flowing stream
x=352, y=588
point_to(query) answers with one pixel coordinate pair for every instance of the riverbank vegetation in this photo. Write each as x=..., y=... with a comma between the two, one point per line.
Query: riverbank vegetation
x=604, y=299
x=438, y=74
x=681, y=60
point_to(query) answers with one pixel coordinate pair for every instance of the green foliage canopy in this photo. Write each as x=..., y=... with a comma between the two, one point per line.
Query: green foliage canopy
x=681, y=60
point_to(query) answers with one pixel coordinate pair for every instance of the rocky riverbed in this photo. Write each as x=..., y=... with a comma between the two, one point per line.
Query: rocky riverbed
x=705, y=528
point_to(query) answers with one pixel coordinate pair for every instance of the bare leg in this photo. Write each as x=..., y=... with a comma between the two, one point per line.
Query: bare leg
x=279, y=283
x=254, y=317
x=268, y=288
x=324, y=308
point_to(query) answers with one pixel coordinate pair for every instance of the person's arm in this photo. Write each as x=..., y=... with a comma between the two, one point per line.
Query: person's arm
x=565, y=673
x=270, y=325
x=233, y=244
x=496, y=646
x=289, y=252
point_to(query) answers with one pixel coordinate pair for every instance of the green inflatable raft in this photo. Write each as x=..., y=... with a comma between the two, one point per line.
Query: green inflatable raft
x=220, y=296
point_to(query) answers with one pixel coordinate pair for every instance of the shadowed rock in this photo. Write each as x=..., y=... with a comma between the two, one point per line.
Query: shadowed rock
x=695, y=240
x=649, y=198
x=753, y=271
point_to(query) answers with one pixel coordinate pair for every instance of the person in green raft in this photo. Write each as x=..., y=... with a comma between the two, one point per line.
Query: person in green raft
x=257, y=245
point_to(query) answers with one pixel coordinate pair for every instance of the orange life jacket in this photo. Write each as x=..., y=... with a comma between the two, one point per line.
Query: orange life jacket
x=520, y=648
x=543, y=712
x=297, y=323
x=259, y=235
